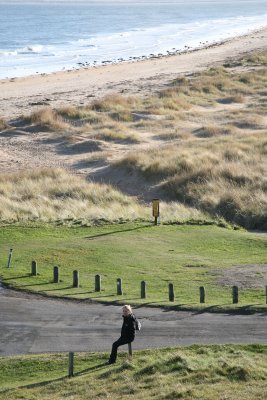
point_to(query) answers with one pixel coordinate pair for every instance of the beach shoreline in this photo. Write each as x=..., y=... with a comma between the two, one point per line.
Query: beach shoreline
x=141, y=76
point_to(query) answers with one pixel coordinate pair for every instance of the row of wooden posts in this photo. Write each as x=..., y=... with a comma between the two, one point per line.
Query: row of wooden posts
x=75, y=284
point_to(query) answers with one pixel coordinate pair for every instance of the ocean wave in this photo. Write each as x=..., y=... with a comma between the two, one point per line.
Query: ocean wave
x=35, y=49
x=31, y=49
x=8, y=53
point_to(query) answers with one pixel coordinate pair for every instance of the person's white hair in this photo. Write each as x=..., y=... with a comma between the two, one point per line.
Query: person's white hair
x=128, y=308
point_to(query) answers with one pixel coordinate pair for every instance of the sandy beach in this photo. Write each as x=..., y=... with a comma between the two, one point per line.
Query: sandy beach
x=78, y=87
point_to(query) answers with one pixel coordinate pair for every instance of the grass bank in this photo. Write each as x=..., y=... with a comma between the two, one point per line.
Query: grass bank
x=189, y=256
x=230, y=372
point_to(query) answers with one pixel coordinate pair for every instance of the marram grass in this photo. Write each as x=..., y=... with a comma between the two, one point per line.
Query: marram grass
x=50, y=195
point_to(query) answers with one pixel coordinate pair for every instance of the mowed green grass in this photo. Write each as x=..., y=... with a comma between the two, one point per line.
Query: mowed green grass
x=188, y=256
x=231, y=372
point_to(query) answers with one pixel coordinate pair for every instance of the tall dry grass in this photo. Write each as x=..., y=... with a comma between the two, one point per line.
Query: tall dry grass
x=224, y=176
x=48, y=118
x=115, y=103
x=3, y=124
x=56, y=195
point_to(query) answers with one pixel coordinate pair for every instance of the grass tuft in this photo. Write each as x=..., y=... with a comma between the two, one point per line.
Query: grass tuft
x=48, y=118
x=3, y=124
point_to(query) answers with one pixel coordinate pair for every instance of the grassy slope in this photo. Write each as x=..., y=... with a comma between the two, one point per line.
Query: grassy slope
x=197, y=372
x=184, y=255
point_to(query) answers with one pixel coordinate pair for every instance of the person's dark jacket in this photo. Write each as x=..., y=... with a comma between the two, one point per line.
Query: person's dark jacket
x=128, y=327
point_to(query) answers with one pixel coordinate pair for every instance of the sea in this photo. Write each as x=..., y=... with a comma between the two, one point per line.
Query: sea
x=44, y=37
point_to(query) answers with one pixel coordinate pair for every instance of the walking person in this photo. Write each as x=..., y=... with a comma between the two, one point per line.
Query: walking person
x=127, y=332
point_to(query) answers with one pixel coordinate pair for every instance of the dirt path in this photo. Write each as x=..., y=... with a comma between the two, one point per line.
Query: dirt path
x=29, y=324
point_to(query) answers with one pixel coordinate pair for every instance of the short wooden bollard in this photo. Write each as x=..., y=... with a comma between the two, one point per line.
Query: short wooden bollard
x=202, y=294
x=119, y=287
x=56, y=274
x=9, y=258
x=34, y=268
x=143, y=290
x=98, y=283
x=75, y=279
x=130, y=350
x=71, y=364
x=171, y=292
x=235, y=294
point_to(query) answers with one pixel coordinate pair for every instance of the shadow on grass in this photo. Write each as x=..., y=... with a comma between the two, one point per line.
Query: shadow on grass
x=248, y=309
x=36, y=284
x=16, y=277
x=56, y=289
x=96, y=297
x=90, y=369
x=118, y=231
x=47, y=382
x=37, y=384
x=75, y=294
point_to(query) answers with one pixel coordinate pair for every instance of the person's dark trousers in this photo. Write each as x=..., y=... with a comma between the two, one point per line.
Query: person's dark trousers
x=121, y=341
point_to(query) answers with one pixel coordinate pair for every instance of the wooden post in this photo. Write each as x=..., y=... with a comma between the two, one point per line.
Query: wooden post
x=155, y=210
x=235, y=294
x=9, y=258
x=56, y=274
x=143, y=290
x=130, y=350
x=266, y=293
x=75, y=279
x=119, y=287
x=71, y=364
x=171, y=292
x=97, y=283
x=34, y=268
x=202, y=294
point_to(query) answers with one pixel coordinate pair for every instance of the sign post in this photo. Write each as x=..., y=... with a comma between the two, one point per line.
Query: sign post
x=155, y=209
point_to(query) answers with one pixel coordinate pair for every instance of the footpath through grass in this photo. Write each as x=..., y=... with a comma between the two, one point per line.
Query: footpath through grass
x=229, y=372
x=188, y=256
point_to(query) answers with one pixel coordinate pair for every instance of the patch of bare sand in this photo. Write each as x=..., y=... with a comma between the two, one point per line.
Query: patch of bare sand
x=244, y=276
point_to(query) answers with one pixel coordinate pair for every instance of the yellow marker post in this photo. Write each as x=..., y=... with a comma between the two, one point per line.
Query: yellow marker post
x=155, y=209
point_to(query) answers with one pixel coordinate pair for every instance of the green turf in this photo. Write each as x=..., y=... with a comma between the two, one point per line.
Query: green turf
x=184, y=255
x=231, y=372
